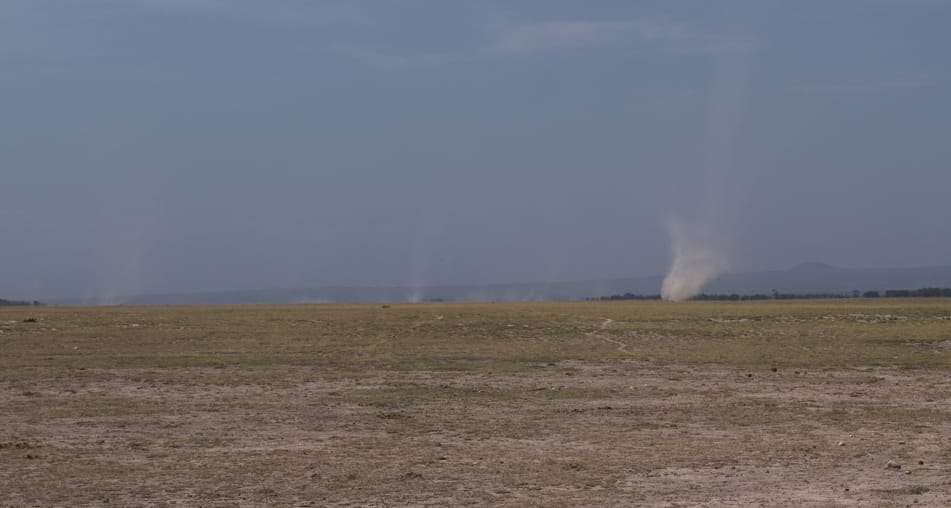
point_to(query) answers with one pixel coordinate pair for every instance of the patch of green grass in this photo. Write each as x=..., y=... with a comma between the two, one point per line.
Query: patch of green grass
x=97, y=406
x=745, y=414
x=891, y=416
x=414, y=395
x=913, y=490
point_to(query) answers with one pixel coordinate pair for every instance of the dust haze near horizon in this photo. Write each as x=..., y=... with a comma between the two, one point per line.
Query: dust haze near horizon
x=153, y=146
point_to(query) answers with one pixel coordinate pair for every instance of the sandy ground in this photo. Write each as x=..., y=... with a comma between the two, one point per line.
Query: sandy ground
x=566, y=434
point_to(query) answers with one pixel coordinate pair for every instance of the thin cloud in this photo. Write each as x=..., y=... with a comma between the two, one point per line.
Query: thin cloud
x=16, y=45
x=862, y=88
x=186, y=4
x=656, y=33
x=510, y=39
x=896, y=3
x=533, y=37
x=391, y=62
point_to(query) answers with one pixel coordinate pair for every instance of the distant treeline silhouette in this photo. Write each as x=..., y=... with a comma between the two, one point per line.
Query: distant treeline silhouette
x=11, y=303
x=917, y=293
x=626, y=296
x=890, y=293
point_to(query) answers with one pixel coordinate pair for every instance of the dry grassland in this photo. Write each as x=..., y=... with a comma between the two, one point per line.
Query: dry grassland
x=510, y=404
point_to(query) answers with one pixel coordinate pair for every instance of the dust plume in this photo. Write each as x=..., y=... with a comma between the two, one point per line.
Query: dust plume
x=701, y=247
x=699, y=256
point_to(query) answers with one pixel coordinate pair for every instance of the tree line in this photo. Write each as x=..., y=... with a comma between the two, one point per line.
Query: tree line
x=12, y=303
x=776, y=295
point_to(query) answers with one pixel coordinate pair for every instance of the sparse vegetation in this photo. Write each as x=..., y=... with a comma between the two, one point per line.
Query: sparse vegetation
x=914, y=490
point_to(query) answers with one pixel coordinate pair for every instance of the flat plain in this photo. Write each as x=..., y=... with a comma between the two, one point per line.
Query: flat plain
x=769, y=403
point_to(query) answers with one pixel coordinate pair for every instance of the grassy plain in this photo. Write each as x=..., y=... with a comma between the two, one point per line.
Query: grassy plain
x=797, y=403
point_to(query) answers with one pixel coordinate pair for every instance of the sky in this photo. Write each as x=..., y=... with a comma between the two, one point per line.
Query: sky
x=157, y=146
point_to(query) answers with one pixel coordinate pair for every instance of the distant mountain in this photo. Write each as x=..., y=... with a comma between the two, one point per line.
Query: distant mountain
x=800, y=279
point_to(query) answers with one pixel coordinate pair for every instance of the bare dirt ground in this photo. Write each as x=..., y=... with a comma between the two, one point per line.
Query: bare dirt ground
x=619, y=431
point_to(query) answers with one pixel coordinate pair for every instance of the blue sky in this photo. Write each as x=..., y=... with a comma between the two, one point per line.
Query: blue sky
x=179, y=145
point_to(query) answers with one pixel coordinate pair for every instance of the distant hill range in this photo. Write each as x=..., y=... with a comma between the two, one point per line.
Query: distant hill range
x=807, y=278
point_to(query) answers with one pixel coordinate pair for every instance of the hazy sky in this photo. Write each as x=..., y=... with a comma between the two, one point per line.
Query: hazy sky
x=178, y=145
